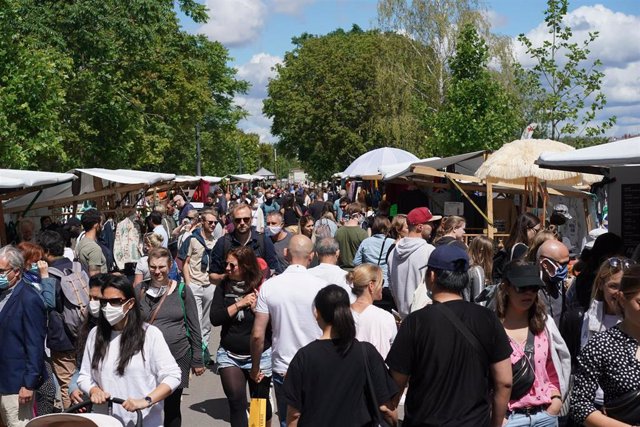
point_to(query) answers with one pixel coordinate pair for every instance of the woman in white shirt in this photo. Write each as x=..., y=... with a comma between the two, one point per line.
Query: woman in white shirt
x=373, y=324
x=128, y=359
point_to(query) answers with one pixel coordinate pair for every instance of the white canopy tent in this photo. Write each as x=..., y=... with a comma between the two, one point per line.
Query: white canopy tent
x=265, y=173
x=91, y=184
x=620, y=162
x=14, y=183
x=595, y=159
x=369, y=163
x=245, y=178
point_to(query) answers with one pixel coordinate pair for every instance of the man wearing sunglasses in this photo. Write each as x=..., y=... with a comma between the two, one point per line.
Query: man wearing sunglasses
x=553, y=259
x=196, y=256
x=243, y=235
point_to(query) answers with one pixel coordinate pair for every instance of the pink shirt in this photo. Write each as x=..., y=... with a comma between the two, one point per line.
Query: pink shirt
x=546, y=383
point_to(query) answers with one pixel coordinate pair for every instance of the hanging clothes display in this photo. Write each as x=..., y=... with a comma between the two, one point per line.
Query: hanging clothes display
x=127, y=247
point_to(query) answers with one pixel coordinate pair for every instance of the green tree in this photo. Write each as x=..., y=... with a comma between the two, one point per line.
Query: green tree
x=137, y=85
x=32, y=95
x=563, y=91
x=478, y=113
x=328, y=103
x=433, y=24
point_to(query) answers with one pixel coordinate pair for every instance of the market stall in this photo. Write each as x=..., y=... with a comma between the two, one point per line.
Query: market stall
x=619, y=162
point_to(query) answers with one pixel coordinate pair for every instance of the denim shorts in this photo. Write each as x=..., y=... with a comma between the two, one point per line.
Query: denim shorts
x=225, y=359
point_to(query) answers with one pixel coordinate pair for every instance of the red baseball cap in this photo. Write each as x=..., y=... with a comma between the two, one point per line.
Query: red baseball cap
x=421, y=216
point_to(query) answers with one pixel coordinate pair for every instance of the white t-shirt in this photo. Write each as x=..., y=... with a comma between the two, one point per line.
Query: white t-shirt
x=141, y=376
x=288, y=300
x=333, y=275
x=159, y=229
x=376, y=326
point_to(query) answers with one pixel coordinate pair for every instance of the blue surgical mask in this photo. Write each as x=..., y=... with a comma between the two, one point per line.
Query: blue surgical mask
x=561, y=273
x=4, y=281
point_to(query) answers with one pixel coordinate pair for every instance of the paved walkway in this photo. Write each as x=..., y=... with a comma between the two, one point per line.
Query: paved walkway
x=204, y=402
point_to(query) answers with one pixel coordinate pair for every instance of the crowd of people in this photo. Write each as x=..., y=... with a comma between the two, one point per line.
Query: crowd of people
x=339, y=311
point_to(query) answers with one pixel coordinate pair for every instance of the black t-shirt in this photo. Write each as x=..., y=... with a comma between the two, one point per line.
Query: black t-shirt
x=448, y=384
x=235, y=334
x=329, y=390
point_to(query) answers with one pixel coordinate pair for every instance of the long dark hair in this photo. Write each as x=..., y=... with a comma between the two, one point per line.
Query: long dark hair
x=133, y=334
x=96, y=281
x=252, y=275
x=332, y=303
x=537, y=311
x=518, y=233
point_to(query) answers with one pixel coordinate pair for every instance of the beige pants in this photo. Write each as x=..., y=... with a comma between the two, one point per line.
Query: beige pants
x=13, y=414
x=64, y=366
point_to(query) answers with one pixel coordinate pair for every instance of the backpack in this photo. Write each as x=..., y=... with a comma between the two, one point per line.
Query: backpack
x=206, y=255
x=322, y=229
x=75, y=288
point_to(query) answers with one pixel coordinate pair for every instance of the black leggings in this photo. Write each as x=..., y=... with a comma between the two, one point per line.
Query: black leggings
x=234, y=382
x=172, y=414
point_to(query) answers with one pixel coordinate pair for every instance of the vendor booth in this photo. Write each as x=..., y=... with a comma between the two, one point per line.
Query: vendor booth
x=619, y=162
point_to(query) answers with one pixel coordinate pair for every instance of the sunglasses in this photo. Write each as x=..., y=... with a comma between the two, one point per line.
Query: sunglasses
x=620, y=263
x=113, y=301
x=231, y=266
x=211, y=222
x=246, y=220
x=523, y=289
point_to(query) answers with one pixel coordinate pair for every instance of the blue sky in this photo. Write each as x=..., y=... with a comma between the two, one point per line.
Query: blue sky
x=258, y=33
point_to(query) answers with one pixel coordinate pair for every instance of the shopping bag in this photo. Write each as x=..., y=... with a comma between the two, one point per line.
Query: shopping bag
x=258, y=413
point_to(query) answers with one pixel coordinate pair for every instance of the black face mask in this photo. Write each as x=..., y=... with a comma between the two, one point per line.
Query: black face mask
x=269, y=201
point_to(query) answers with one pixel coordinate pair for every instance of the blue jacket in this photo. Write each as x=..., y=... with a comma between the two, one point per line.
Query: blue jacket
x=374, y=250
x=23, y=327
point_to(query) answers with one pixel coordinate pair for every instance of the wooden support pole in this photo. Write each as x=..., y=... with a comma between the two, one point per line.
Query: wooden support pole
x=490, y=229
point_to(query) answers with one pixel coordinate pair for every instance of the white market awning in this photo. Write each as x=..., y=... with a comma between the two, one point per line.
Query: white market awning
x=12, y=180
x=369, y=163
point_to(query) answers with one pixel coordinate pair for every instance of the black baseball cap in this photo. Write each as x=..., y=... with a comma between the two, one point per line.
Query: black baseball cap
x=521, y=275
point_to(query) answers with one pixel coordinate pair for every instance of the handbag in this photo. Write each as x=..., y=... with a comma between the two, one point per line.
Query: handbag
x=370, y=394
x=258, y=412
x=625, y=408
x=523, y=370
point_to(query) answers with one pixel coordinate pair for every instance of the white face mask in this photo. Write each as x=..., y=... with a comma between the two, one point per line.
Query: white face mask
x=156, y=292
x=113, y=314
x=94, y=308
x=274, y=230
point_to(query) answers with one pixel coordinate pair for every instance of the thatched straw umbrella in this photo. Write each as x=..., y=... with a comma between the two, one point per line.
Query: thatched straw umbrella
x=514, y=163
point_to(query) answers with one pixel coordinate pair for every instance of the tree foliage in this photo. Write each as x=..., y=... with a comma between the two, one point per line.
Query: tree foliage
x=562, y=89
x=478, y=113
x=132, y=88
x=329, y=104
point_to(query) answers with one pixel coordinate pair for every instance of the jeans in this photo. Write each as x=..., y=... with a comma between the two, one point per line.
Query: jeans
x=278, y=386
x=539, y=419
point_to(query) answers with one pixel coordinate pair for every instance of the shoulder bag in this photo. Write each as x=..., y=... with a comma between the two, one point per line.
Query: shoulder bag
x=523, y=370
x=625, y=408
x=469, y=336
x=370, y=395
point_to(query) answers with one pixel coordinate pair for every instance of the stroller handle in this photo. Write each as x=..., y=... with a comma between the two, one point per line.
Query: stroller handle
x=110, y=403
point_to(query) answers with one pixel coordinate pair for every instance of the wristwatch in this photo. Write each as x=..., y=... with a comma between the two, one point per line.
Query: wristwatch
x=149, y=401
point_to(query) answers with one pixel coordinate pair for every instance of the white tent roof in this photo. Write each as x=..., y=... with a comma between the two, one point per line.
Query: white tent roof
x=596, y=158
x=264, y=172
x=245, y=177
x=86, y=185
x=465, y=164
x=13, y=179
x=370, y=163
x=189, y=178
x=396, y=170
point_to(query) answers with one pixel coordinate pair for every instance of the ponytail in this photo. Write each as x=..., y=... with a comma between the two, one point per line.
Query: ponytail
x=332, y=303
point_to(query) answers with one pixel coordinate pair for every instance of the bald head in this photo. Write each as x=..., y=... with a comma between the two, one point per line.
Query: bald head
x=554, y=250
x=300, y=250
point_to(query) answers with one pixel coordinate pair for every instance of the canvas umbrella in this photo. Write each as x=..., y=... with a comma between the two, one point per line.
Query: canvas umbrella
x=515, y=163
x=370, y=162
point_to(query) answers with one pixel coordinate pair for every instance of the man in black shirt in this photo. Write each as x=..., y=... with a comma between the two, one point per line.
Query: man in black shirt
x=450, y=352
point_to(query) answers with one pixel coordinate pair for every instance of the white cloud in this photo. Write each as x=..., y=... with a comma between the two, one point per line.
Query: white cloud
x=291, y=7
x=496, y=20
x=257, y=71
x=617, y=48
x=234, y=22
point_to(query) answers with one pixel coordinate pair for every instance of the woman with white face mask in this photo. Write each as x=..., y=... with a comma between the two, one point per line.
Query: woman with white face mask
x=126, y=358
x=171, y=307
